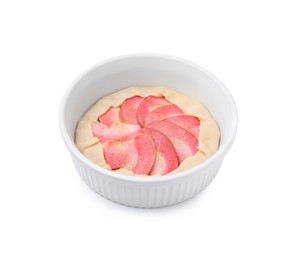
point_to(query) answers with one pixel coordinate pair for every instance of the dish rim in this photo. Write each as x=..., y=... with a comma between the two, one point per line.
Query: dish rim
x=219, y=154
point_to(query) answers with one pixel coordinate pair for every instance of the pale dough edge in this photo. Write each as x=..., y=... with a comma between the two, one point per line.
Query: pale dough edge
x=91, y=147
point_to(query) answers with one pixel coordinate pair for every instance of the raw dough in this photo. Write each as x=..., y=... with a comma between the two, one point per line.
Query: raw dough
x=209, y=135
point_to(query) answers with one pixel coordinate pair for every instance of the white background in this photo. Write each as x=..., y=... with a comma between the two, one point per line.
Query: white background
x=47, y=212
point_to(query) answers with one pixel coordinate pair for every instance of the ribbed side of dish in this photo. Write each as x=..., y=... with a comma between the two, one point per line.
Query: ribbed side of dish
x=146, y=195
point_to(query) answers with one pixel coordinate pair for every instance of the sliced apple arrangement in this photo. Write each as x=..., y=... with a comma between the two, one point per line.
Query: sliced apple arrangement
x=147, y=136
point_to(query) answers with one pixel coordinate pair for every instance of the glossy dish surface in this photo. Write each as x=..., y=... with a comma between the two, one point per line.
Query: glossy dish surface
x=148, y=70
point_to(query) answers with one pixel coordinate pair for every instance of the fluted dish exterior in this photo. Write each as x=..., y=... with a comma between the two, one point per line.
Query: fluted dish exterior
x=146, y=195
x=148, y=70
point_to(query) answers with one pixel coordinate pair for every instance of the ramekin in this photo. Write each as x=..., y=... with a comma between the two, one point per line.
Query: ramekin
x=148, y=70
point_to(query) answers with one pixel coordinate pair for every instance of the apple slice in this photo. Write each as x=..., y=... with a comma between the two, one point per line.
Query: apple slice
x=189, y=123
x=185, y=143
x=112, y=115
x=147, y=105
x=166, y=157
x=161, y=113
x=129, y=109
x=137, y=155
x=120, y=154
x=146, y=154
x=115, y=132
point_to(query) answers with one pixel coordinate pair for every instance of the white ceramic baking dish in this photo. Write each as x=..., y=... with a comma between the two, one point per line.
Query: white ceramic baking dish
x=148, y=70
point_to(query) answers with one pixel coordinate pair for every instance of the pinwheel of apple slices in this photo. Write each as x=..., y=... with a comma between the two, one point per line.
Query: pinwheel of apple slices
x=147, y=132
